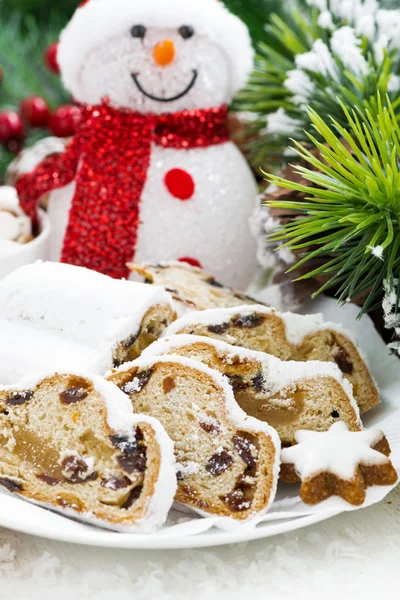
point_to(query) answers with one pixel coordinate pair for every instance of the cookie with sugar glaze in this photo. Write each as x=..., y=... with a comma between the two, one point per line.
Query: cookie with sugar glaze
x=338, y=463
x=71, y=442
x=287, y=395
x=287, y=336
x=228, y=462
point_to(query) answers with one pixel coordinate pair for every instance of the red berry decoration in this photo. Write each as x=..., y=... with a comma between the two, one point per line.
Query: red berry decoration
x=50, y=58
x=64, y=122
x=35, y=111
x=11, y=127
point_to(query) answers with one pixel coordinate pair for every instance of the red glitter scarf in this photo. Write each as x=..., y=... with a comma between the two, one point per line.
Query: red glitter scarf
x=109, y=158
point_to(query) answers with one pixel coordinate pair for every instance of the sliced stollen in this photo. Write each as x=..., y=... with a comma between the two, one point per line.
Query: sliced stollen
x=190, y=287
x=228, y=462
x=287, y=395
x=287, y=336
x=60, y=317
x=71, y=443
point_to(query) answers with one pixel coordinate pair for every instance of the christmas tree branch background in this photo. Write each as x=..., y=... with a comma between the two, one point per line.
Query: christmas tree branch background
x=316, y=51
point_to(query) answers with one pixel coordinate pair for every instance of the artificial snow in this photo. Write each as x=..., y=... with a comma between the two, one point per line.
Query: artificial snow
x=286, y=255
x=347, y=48
x=376, y=251
x=300, y=84
x=281, y=123
x=318, y=60
x=394, y=83
x=325, y=20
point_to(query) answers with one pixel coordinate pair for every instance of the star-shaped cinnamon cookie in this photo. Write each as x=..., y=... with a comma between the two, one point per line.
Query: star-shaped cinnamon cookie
x=338, y=462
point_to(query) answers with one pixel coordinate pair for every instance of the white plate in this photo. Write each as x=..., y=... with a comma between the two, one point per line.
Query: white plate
x=288, y=513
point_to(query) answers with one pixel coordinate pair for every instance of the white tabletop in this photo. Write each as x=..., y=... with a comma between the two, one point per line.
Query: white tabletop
x=353, y=556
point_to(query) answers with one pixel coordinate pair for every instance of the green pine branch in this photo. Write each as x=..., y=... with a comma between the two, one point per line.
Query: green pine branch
x=40, y=8
x=291, y=35
x=23, y=41
x=255, y=13
x=22, y=44
x=352, y=205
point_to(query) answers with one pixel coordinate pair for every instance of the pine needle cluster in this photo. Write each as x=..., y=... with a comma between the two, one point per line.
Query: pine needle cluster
x=351, y=209
x=319, y=50
x=23, y=41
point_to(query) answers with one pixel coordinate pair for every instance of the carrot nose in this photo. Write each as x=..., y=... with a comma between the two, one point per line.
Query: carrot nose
x=164, y=52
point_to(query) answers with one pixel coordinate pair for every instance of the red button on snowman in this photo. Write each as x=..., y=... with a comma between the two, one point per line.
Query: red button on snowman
x=151, y=174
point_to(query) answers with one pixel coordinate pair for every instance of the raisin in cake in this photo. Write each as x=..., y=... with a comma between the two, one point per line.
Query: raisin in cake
x=61, y=317
x=228, y=462
x=73, y=444
x=287, y=395
x=287, y=336
x=190, y=287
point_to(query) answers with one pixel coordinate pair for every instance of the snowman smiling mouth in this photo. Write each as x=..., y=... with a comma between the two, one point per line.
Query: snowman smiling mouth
x=135, y=77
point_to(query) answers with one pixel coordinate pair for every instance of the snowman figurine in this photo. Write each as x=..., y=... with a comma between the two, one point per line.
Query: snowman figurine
x=151, y=175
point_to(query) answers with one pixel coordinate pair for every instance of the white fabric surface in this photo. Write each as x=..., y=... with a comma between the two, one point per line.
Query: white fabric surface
x=354, y=555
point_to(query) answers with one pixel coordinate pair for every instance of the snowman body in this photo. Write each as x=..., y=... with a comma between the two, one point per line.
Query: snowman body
x=201, y=228
x=158, y=60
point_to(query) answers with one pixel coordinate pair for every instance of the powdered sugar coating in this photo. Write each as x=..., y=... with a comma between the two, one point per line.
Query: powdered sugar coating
x=26, y=351
x=236, y=414
x=297, y=327
x=190, y=468
x=337, y=451
x=123, y=422
x=277, y=374
x=76, y=303
x=57, y=316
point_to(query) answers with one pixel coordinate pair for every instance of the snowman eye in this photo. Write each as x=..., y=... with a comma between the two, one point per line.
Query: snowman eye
x=186, y=31
x=138, y=31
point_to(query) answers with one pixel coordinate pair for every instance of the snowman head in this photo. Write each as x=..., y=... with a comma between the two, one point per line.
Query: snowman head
x=155, y=56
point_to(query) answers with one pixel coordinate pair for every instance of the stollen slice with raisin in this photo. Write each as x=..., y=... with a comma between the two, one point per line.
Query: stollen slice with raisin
x=71, y=318
x=287, y=395
x=228, y=462
x=287, y=336
x=191, y=288
x=71, y=443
